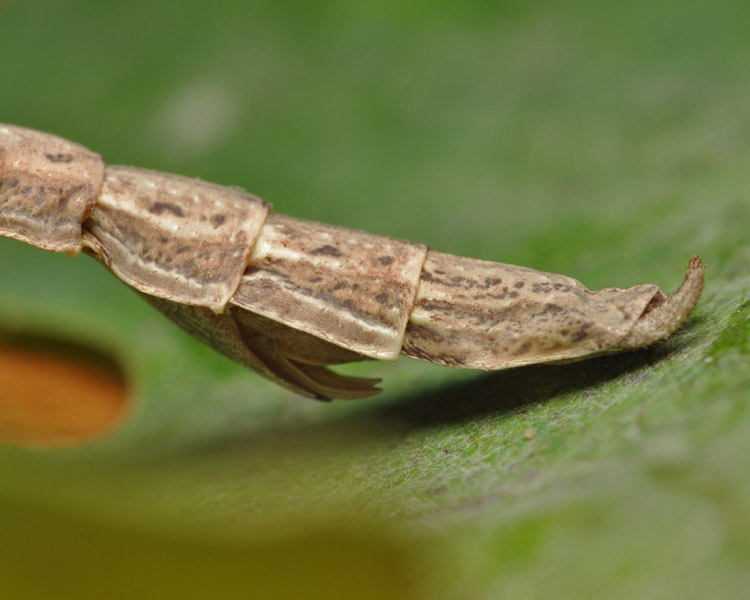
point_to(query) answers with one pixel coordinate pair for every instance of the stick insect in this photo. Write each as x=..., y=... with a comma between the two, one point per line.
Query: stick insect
x=288, y=297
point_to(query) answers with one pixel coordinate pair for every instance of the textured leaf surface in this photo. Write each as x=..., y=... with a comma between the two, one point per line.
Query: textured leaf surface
x=608, y=143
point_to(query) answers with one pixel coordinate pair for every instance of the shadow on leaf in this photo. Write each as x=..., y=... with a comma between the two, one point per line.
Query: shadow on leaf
x=494, y=394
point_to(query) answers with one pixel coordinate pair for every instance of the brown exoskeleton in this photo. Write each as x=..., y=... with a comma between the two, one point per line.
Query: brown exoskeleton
x=288, y=297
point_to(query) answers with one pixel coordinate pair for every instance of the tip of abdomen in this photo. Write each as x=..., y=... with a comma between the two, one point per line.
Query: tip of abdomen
x=664, y=315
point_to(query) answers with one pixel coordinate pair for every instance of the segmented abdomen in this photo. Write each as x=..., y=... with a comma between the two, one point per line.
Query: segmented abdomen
x=288, y=297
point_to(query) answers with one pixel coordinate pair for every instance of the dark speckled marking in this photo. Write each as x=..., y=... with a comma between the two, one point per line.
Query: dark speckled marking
x=581, y=334
x=523, y=348
x=489, y=282
x=385, y=260
x=218, y=220
x=459, y=281
x=382, y=298
x=59, y=157
x=159, y=208
x=553, y=309
x=66, y=196
x=326, y=251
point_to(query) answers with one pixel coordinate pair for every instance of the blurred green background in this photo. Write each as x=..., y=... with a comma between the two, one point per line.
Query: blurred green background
x=608, y=141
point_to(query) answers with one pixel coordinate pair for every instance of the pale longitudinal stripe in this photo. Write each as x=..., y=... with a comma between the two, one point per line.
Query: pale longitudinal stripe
x=350, y=288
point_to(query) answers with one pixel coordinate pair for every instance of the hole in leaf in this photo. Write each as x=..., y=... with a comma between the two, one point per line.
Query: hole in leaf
x=55, y=393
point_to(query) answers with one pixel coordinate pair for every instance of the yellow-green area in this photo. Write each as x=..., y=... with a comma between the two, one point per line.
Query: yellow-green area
x=609, y=141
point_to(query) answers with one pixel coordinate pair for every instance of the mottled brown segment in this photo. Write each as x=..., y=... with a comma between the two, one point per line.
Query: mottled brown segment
x=176, y=238
x=48, y=185
x=484, y=315
x=346, y=306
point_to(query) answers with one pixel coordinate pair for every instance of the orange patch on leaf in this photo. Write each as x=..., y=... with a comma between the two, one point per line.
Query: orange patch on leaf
x=47, y=399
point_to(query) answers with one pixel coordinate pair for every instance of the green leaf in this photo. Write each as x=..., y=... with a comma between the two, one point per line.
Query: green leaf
x=606, y=142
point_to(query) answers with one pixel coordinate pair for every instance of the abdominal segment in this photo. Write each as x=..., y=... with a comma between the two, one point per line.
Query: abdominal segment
x=478, y=314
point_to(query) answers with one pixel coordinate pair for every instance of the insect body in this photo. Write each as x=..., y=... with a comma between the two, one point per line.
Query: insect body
x=288, y=297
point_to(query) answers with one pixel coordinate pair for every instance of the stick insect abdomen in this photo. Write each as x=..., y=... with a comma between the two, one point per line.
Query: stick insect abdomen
x=288, y=297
